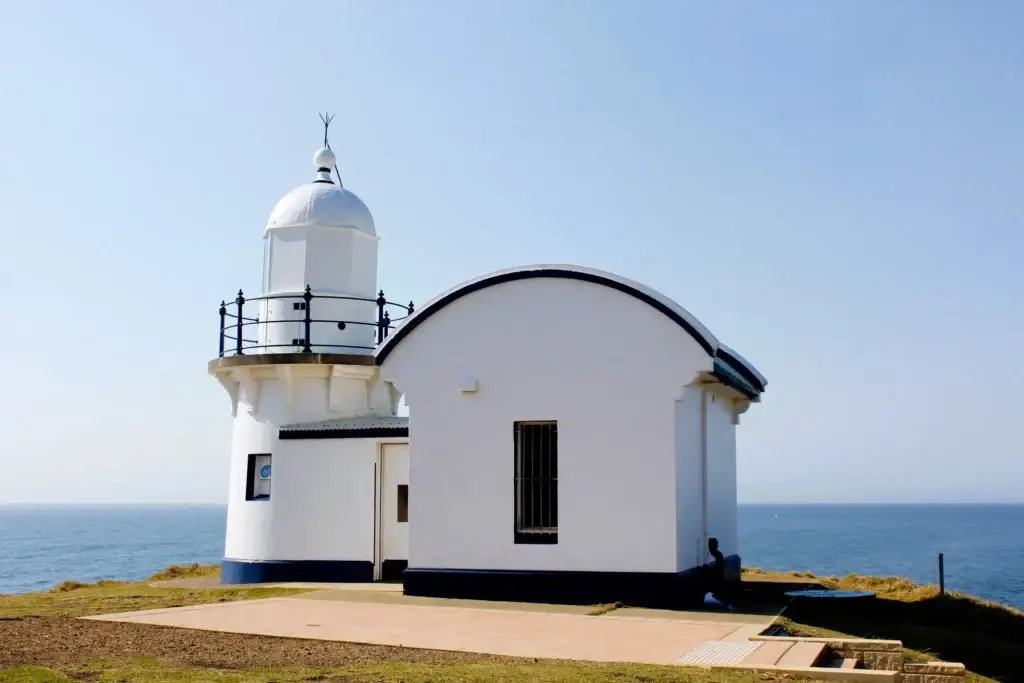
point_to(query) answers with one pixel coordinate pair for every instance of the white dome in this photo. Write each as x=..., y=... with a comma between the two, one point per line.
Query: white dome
x=323, y=204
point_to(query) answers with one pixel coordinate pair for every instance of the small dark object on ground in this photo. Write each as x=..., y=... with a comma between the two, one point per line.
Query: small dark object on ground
x=828, y=594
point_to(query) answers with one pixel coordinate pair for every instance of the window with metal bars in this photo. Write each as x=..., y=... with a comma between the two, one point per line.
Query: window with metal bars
x=536, y=482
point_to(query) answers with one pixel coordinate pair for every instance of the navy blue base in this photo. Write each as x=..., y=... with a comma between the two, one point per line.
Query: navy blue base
x=393, y=570
x=646, y=589
x=275, y=571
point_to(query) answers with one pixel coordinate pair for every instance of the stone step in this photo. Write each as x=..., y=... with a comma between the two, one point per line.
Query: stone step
x=802, y=654
x=768, y=654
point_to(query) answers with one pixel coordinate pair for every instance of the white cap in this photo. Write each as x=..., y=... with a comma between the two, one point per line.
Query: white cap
x=323, y=161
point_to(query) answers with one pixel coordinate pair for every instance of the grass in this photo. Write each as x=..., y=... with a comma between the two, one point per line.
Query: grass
x=61, y=648
x=754, y=572
x=148, y=670
x=187, y=571
x=888, y=587
x=909, y=654
x=605, y=609
x=76, y=599
x=988, y=638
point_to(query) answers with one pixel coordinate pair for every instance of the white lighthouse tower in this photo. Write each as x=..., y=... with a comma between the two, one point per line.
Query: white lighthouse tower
x=319, y=458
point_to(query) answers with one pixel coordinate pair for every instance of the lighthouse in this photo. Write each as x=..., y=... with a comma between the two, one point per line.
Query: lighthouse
x=575, y=429
x=318, y=484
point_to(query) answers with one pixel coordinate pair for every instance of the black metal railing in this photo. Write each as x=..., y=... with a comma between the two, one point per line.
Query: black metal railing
x=234, y=321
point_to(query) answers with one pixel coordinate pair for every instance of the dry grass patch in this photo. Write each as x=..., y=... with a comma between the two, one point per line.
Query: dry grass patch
x=42, y=642
x=604, y=609
x=187, y=571
x=886, y=587
x=985, y=636
x=149, y=670
x=77, y=599
x=909, y=654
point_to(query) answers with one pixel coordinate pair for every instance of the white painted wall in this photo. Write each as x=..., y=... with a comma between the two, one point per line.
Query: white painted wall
x=331, y=260
x=395, y=471
x=723, y=523
x=720, y=515
x=691, y=548
x=608, y=367
x=249, y=533
x=286, y=260
x=321, y=504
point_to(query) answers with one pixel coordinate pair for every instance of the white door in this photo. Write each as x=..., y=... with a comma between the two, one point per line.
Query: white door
x=394, y=512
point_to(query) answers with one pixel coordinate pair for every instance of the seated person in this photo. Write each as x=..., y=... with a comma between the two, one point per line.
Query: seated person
x=719, y=587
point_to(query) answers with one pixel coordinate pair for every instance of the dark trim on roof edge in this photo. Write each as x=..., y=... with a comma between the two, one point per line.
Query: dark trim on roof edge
x=727, y=376
x=740, y=367
x=366, y=433
x=512, y=276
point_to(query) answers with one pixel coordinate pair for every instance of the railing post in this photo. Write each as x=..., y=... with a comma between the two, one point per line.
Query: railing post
x=307, y=297
x=387, y=324
x=942, y=575
x=220, y=342
x=239, y=301
x=380, y=316
x=410, y=308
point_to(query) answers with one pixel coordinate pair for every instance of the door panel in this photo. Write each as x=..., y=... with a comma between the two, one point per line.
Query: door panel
x=394, y=512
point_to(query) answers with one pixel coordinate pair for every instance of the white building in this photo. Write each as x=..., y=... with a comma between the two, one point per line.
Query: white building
x=572, y=439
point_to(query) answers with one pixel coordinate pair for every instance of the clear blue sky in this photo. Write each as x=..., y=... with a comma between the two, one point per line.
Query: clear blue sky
x=833, y=188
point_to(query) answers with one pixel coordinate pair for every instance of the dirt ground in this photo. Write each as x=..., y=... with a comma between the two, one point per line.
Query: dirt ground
x=63, y=642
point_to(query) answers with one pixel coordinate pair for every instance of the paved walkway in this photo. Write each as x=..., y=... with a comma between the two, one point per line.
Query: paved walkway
x=387, y=618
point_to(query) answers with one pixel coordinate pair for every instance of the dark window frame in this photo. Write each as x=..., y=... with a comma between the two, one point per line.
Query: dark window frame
x=535, y=482
x=250, y=477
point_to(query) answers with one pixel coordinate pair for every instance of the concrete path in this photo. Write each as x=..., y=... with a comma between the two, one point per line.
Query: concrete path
x=208, y=582
x=647, y=636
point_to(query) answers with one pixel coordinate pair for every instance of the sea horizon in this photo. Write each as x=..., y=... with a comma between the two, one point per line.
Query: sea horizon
x=741, y=503
x=983, y=543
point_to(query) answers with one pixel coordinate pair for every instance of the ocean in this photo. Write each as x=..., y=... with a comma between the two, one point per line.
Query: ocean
x=983, y=544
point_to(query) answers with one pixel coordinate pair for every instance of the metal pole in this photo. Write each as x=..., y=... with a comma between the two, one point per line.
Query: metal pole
x=942, y=575
x=223, y=314
x=307, y=297
x=380, y=316
x=239, y=301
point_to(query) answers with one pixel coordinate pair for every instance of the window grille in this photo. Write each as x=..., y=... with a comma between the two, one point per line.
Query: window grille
x=536, y=482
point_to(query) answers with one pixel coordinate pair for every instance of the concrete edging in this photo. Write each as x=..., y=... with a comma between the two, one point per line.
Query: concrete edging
x=819, y=673
x=853, y=643
x=882, y=657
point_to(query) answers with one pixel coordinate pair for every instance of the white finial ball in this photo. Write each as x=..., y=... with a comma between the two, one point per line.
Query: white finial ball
x=324, y=158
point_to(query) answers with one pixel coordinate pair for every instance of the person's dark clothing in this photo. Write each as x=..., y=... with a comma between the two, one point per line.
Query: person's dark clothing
x=719, y=589
x=719, y=565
